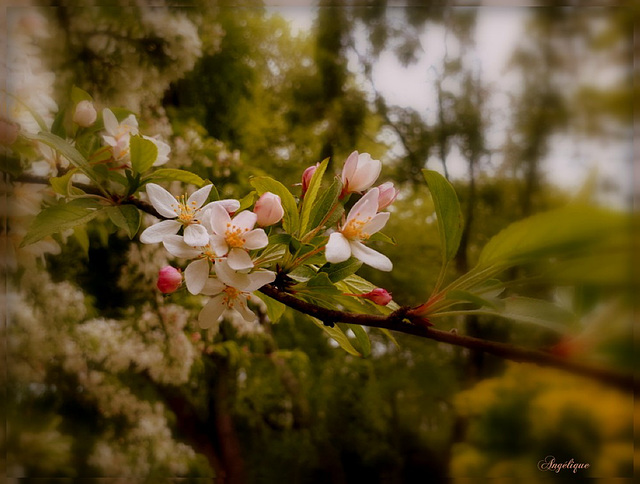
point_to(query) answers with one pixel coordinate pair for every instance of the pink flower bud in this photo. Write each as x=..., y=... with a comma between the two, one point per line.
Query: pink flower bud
x=360, y=171
x=388, y=194
x=307, y=175
x=379, y=296
x=169, y=279
x=269, y=209
x=85, y=114
x=8, y=132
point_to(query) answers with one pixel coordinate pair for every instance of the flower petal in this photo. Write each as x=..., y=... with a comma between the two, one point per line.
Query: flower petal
x=200, y=196
x=245, y=312
x=219, y=245
x=176, y=247
x=196, y=275
x=196, y=235
x=338, y=248
x=231, y=277
x=211, y=312
x=158, y=232
x=349, y=167
x=229, y=204
x=218, y=218
x=110, y=121
x=258, y=279
x=376, y=223
x=255, y=239
x=212, y=287
x=239, y=259
x=367, y=173
x=370, y=256
x=245, y=220
x=367, y=206
x=162, y=200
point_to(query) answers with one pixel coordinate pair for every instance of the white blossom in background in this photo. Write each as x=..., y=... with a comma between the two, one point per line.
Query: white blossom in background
x=29, y=82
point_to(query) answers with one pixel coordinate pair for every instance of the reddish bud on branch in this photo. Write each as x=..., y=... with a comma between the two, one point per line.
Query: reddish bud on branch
x=169, y=279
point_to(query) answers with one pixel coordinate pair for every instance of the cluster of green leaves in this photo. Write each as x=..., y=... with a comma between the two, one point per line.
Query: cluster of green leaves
x=575, y=244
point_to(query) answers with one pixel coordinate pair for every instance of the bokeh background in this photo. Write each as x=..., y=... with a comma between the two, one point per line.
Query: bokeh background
x=522, y=108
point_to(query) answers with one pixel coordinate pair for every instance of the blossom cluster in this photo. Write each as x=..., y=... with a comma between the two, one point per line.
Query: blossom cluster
x=223, y=243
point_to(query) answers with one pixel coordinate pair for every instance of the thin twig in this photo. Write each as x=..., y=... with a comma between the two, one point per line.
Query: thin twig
x=400, y=320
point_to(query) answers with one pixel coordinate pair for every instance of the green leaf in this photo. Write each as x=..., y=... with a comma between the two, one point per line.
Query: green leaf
x=275, y=309
x=81, y=236
x=143, y=153
x=339, y=271
x=362, y=338
x=338, y=335
x=380, y=237
x=173, y=174
x=555, y=233
x=465, y=296
x=62, y=184
x=326, y=200
x=310, y=196
x=126, y=217
x=264, y=184
x=66, y=150
x=58, y=126
x=281, y=238
x=59, y=218
x=78, y=95
x=320, y=283
x=534, y=311
x=247, y=201
x=448, y=212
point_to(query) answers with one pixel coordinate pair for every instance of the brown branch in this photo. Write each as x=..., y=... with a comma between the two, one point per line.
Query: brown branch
x=399, y=321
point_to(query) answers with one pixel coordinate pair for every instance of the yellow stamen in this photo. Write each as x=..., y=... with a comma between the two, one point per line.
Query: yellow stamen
x=234, y=236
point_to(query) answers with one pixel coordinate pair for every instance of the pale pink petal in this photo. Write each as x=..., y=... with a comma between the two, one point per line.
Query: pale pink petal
x=349, y=167
x=196, y=235
x=258, y=279
x=218, y=245
x=376, y=223
x=337, y=249
x=196, y=275
x=245, y=312
x=211, y=312
x=197, y=198
x=218, y=218
x=367, y=173
x=370, y=256
x=231, y=277
x=229, y=204
x=176, y=247
x=132, y=123
x=110, y=140
x=165, y=203
x=212, y=287
x=245, y=220
x=366, y=207
x=239, y=259
x=157, y=232
x=255, y=239
x=110, y=121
